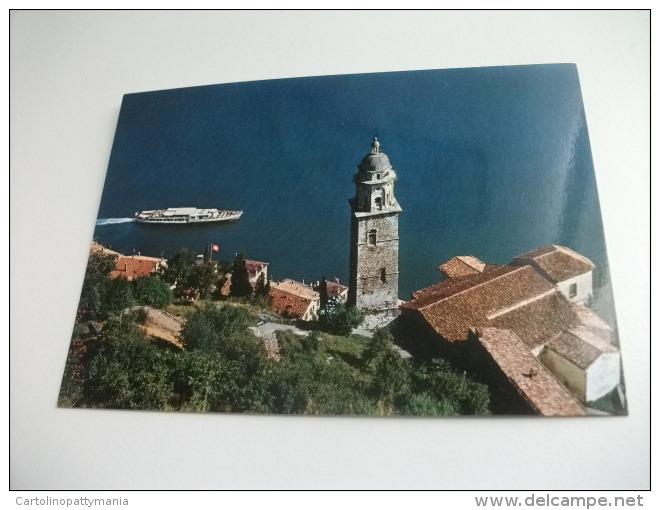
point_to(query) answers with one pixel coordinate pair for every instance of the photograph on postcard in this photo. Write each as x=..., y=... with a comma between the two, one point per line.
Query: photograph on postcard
x=419, y=243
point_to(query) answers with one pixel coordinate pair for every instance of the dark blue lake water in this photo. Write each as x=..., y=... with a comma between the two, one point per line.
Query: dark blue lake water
x=492, y=162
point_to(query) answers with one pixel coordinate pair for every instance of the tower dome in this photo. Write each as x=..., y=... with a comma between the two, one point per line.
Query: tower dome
x=375, y=161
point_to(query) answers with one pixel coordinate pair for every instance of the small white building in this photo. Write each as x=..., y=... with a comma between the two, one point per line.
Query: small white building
x=539, y=298
x=255, y=269
x=570, y=272
x=584, y=361
x=332, y=289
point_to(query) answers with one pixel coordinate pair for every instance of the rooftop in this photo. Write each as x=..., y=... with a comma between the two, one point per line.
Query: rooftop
x=558, y=263
x=335, y=289
x=462, y=265
x=134, y=267
x=254, y=267
x=375, y=161
x=296, y=288
x=515, y=298
x=581, y=346
x=532, y=380
x=292, y=298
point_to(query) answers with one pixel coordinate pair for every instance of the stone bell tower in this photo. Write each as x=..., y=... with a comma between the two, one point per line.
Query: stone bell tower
x=374, y=259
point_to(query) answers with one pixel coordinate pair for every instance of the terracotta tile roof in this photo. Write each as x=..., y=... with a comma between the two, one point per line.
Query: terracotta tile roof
x=537, y=321
x=296, y=288
x=134, y=267
x=292, y=299
x=581, y=346
x=515, y=298
x=450, y=287
x=335, y=289
x=558, y=263
x=462, y=266
x=588, y=318
x=531, y=379
x=254, y=267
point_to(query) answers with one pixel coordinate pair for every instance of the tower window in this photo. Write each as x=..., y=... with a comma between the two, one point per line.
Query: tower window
x=572, y=290
x=378, y=202
x=371, y=237
x=383, y=275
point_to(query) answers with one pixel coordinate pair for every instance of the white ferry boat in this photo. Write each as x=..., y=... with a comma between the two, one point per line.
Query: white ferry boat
x=184, y=215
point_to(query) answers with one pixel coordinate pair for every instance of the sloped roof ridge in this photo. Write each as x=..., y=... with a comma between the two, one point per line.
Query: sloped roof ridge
x=540, y=397
x=250, y=261
x=592, y=339
x=468, y=260
x=544, y=251
x=574, y=254
x=477, y=285
x=519, y=304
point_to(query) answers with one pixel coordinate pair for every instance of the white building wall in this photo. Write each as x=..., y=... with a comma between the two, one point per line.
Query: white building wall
x=312, y=311
x=603, y=376
x=584, y=288
x=570, y=375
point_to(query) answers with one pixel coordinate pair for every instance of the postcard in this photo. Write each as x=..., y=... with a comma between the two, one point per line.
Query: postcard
x=422, y=243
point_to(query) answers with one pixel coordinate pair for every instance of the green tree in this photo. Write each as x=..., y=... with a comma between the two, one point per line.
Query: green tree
x=260, y=288
x=323, y=293
x=222, y=330
x=423, y=404
x=118, y=296
x=240, y=278
x=308, y=381
x=127, y=372
x=391, y=380
x=379, y=344
x=97, y=276
x=224, y=266
x=204, y=279
x=208, y=382
x=180, y=270
x=152, y=291
x=339, y=318
x=456, y=393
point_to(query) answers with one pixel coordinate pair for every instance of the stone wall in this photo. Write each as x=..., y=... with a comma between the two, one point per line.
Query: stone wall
x=374, y=280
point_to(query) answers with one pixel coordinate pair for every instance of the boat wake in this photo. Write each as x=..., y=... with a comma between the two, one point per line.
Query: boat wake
x=113, y=221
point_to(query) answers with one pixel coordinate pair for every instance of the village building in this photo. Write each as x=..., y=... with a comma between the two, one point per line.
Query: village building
x=256, y=269
x=584, y=362
x=519, y=383
x=328, y=289
x=526, y=305
x=374, y=248
x=294, y=300
x=129, y=267
x=135, y=266
x=569, y=271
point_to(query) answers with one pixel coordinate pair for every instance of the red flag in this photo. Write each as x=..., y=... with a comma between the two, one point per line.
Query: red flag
x=215, y=248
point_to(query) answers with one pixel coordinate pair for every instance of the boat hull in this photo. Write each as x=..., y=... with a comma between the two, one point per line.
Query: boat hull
x=186, y=216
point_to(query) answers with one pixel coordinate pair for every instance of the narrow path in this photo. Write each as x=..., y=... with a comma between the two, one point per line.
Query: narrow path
x=164, y=326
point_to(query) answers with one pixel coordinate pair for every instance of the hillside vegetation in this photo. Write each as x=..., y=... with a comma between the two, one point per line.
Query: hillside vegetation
x=224, y=366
